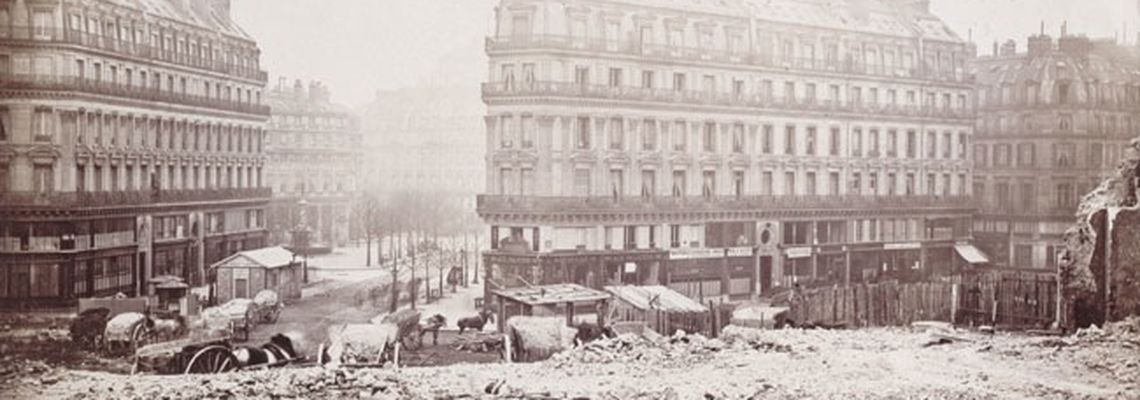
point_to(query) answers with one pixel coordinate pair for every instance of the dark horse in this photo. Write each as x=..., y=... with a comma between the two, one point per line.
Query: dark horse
x=279, y=349
x=433, y=324
x=477, y=322
x=588, y=332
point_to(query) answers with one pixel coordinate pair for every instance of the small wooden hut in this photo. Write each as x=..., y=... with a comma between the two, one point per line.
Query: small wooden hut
x=549, y=300
x=244, y=274
x=660, y=308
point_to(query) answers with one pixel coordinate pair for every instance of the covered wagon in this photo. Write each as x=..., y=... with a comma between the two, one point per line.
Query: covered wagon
x=537, y=338
x=267, y=306
x=360, y=345
x=126, y=332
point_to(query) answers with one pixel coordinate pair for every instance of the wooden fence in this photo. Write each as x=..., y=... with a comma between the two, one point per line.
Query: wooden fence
x=1018, y=298
x=880, y=304
x=1013, y=299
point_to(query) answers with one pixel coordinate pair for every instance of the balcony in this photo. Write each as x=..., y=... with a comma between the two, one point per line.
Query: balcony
x=492, y=90
x=129, y=198
x=131, y=49
x=90, y=86
x=741, y=56
x=607, y=204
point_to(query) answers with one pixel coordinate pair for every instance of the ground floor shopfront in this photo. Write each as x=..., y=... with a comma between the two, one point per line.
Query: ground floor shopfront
x=53, y=259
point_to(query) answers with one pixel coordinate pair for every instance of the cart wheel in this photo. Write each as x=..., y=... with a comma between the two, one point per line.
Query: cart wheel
x=212, y=360
x=139, y=337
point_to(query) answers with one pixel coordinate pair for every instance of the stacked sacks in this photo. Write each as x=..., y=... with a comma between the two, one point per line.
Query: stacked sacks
x=538, y=338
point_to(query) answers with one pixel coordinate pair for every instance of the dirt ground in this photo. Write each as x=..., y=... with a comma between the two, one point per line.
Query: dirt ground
x=785, y=364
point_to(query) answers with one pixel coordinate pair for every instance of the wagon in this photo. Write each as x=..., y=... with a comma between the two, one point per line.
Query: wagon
x=237, y=317
x=196, y=355
x=127, y=331
x=267, y=306
x=371, y=345
x=202, y=355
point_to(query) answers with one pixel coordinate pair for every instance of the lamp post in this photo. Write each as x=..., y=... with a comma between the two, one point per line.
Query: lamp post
x=300, y=239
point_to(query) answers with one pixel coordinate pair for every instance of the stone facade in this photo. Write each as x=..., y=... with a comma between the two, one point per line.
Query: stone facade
x=131, y=141
x=797, y=141
x=315, y=154
x=1052, y=121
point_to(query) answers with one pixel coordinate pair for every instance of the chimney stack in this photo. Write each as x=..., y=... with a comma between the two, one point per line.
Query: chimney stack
x=1040, y=45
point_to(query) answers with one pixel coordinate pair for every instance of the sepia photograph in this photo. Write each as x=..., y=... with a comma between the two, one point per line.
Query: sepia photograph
x=570, y=199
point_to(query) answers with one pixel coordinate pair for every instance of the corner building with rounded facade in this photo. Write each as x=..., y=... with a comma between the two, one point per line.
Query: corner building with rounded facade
x=131, y=137
x=724, y=148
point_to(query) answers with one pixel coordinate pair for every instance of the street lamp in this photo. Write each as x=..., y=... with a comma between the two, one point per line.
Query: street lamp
x=301, y=238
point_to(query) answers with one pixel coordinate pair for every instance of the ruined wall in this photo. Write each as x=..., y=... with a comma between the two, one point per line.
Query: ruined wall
x=1082, y=267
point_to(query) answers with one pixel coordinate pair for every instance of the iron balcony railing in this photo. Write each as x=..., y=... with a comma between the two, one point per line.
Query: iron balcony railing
x=129, y=198
x=100, y=87
x=130, y=48
x=564, y=204
x=712, y=54
x=688, y=97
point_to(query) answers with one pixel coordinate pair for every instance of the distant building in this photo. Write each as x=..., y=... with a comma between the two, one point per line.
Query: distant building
x=315, y=154
x=1052, y=121
x=426, y=138
x=724, y=148
x=131, y=145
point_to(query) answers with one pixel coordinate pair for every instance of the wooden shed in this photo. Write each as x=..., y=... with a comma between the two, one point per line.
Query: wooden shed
x=566, y=299
x=660, y=308
x=244, y=274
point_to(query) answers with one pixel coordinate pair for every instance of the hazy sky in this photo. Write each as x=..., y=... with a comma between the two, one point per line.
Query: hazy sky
x=359, y=46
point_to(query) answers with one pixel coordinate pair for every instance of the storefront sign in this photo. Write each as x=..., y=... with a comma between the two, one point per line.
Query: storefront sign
x=630, y=268
x=692, y=254
x=798, y=252
x=902, y=246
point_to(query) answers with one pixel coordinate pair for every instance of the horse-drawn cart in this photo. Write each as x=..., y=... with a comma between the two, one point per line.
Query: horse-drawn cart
x=212, y=355
x=127, y=332
x=236, y=317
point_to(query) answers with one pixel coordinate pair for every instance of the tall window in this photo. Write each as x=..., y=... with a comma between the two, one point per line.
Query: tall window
x=790, y=183
x=42, y=128
x=680, y=135
x=649, y=135
x=679, y=82
x=931, y=145
x=1028, y=193
x=833, y=144
x=4, y=125
x=738, y=138
x=833, y=183
x=583, y=136
x=647, y=79
x=4, y=178
x=648, y=183
x=810, y=145
x=615, y=77
x=811, y=183
x=873, y=137
x=1066, y=196
x=43, y=178
x=790, y=140
x=617, y=134
x=582, y=76
x=947, y=144
x=766, y=146
x=738, y=183
x=709, y=137
x=679, y=183
x=527, y=123
x=892, y=143
x=892, y=184
x=708, y=184
x=617, y=182
x=582, y=182
x=856, y=183
x=856, y=142
x=506, y=181
x=766, y=183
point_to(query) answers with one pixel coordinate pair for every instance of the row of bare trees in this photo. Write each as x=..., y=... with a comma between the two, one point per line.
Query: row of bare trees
x=424, y=231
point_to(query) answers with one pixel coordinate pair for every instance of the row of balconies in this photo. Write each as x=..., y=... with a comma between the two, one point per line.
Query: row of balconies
x=578, y=204
x=127, y=48
x=99, y=87
x=130, y=198
x=688, y=97
x=1067, y=106
x=743, y=56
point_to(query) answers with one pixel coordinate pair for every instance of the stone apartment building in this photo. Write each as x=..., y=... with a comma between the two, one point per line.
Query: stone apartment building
x=131, y=145
x=725, y=148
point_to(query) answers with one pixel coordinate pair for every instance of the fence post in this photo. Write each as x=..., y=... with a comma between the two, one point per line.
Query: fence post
x=955, y=291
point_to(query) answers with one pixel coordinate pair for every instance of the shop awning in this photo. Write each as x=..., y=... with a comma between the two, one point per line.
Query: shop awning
x=971, y=254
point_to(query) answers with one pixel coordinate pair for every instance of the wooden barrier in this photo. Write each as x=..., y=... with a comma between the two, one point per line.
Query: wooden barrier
x=881, y=304
x=1012, y=299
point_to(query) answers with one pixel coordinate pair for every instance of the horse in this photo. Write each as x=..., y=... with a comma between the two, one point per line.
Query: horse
x=433, y=325
x=280, y=348
x=87, y=328
x=170, y=328
x=588, y=332
x=477, y=322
